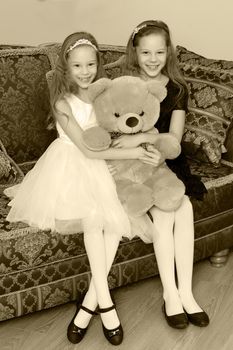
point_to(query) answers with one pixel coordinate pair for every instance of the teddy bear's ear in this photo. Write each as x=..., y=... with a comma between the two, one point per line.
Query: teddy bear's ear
x=96, y=88
x=157, y=89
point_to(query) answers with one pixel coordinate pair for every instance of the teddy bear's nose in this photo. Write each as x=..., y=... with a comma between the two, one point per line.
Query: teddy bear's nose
x=131, y=122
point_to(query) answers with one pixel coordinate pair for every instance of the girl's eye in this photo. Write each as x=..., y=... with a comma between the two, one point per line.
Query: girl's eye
x=141, y=114
x=117, y=115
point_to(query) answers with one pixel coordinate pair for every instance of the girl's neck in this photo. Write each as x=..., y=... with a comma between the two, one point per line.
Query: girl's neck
x=82, y=95
x=161, y=78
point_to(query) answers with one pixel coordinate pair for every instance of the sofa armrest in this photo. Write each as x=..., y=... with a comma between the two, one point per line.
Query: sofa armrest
x=229, y=145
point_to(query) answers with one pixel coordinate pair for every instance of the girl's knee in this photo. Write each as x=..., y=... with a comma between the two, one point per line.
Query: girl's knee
x=185, y=207
x=163, y=222
x=164, y=215
x=94, y=233
x=187, y=203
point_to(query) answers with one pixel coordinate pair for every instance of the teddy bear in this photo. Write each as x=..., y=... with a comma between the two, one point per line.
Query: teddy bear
x=129, y=105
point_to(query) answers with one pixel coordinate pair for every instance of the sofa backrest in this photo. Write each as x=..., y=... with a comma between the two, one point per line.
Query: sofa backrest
x=24, y=99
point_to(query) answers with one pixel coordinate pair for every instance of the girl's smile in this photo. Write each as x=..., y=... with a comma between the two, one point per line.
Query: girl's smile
x=152, y=55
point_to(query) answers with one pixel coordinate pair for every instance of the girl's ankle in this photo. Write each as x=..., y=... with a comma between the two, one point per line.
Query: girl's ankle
x=110, y=318
x=82, y=319
x=189, y=303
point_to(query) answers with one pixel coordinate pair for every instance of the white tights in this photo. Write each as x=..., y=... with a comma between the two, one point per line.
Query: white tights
x=173, y=242
x=101, y=249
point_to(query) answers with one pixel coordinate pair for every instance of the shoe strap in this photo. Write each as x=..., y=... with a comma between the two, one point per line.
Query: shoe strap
x=88, y=310
x=106, y=309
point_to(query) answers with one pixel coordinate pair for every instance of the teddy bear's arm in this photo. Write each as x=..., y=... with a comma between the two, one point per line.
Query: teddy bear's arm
x=96, y=139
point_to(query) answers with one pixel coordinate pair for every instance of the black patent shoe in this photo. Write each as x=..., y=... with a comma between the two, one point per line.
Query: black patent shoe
x=200, y=319
x=178, y=321
x=115, y=335
x=74, y=333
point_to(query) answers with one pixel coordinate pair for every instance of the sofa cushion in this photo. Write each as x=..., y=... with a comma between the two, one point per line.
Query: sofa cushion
x=24, y=101
x=229, y=145
x=219, y=199
x=41, y=269
x=210, y=106
x=10, y=173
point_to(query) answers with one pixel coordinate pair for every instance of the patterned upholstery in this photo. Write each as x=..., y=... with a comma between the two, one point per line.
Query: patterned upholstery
x=40, y=269
x=24, y=102
x=10, y=172
x=210, y=113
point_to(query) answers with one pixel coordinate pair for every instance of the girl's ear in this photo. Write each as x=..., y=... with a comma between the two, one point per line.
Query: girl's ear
x=157, y=89
x=99, y=86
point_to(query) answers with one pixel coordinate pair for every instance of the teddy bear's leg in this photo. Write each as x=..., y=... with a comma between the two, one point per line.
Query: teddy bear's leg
x=139, y=199
x=168, y=190
x=136, y=198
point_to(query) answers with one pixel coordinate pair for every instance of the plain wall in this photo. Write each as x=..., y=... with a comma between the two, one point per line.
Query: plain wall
x=202, y=26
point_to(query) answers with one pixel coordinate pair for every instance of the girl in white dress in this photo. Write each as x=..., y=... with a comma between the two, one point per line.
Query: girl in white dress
x=70, y=189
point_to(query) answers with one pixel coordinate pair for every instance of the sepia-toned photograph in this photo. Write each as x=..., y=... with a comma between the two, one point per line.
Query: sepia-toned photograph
x=116, y=175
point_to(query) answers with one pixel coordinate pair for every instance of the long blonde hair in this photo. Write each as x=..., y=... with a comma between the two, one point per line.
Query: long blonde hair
x=171, y=70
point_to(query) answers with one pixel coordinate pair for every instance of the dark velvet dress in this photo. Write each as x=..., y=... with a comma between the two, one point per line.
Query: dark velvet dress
x=194, y=187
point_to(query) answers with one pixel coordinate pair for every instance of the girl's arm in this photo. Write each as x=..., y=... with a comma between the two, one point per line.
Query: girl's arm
x=177, y=124
x=68, y=123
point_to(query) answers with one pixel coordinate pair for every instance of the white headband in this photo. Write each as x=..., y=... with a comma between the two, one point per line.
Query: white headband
x=155, y=25
x=137, y=29
x=82, y=42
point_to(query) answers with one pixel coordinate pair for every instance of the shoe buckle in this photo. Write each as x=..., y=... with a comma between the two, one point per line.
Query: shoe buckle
x=114, y=332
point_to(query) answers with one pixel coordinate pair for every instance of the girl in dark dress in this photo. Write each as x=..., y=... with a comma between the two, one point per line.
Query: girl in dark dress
x=194, y=187
x=150, y=55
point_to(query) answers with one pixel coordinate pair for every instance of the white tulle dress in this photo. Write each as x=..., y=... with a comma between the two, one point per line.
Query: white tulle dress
x=68, y=192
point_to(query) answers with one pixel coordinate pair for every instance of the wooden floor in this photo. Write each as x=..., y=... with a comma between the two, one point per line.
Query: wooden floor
x=139, y=307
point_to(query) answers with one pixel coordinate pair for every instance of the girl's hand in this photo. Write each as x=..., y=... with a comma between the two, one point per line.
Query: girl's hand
x=152, y=157
x=127, y=141
x=112, y=169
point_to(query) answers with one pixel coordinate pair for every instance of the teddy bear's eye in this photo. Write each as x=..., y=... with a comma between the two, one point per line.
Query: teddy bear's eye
x=141, y=114
x=117, y=115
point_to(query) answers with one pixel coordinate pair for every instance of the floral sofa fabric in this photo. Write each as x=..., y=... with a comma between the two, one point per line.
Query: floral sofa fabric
x=40, y=269
x=24, y=100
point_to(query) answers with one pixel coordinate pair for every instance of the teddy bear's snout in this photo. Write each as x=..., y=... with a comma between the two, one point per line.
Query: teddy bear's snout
x=129, y=123
x=132, y=122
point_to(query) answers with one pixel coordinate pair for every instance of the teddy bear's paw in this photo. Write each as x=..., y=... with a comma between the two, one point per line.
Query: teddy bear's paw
x=96, y=139
x=138, y=199
x=168, y=145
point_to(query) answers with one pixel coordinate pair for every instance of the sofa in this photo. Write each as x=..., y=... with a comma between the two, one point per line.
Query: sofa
x=41, y=269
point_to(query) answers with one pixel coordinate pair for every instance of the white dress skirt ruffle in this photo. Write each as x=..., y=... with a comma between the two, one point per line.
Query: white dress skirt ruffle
x=68, y=192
